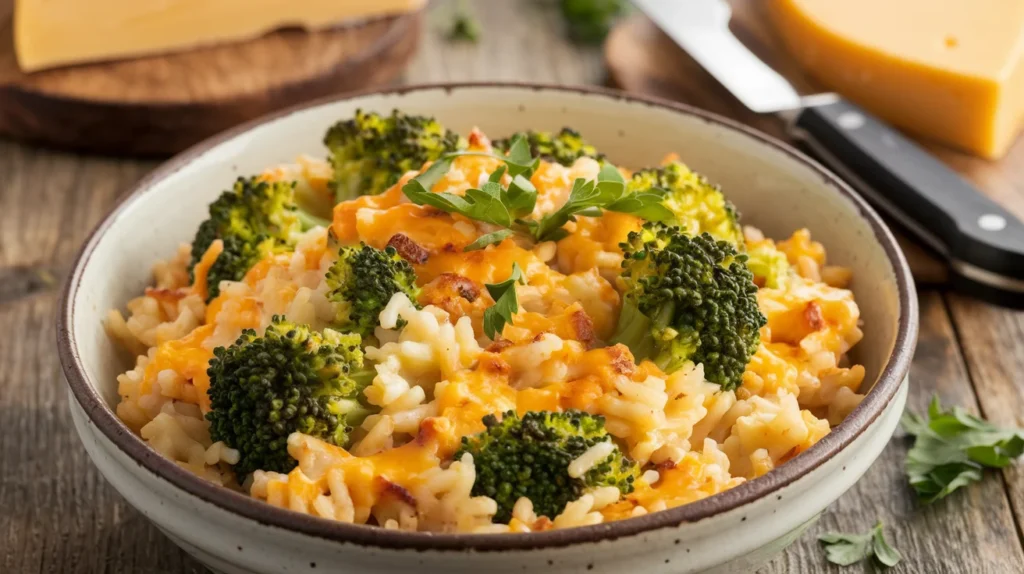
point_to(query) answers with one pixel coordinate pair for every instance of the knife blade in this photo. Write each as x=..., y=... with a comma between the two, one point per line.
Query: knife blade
x=981, y=241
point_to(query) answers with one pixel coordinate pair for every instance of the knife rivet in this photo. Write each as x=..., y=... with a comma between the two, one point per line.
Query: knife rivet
x=850, y=120
x=991, y=222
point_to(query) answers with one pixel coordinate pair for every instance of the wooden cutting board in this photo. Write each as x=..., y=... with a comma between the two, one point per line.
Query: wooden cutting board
x=642, y=59
x=162, y=104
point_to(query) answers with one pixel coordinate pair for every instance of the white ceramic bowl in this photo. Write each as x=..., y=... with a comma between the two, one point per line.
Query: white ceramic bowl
x=777, y=189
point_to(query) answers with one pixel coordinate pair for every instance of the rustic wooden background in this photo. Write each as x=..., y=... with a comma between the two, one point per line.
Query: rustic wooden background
x=57, y=514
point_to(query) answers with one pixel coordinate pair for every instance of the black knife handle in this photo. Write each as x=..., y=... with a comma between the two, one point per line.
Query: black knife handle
x=916, y=189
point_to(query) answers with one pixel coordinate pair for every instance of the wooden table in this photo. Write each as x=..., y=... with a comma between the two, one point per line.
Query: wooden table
x=58, y=515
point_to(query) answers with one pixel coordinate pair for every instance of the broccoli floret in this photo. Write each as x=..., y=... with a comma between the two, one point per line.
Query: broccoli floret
x=363, y=280
x=530, y=457
x=254, y=219
x=290, y=379
x=699, y=206
x=370, y=152
x=769, y=265
x=688, y=298
x=565, y=147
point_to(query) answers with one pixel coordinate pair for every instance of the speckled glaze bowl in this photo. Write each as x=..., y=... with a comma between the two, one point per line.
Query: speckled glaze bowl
x=776, y=188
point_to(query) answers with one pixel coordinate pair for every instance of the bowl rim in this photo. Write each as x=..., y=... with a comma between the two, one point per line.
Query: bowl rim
x=874, y=403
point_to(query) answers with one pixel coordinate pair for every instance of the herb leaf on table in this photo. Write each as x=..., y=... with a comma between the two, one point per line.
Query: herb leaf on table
x=464, y=26
x=845, y=549
x=953, y=447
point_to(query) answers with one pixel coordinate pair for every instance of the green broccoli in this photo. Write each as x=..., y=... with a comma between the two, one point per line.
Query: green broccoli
x=530, y=457
x=565, y=147
x=362, y=280
x=370, y=152
x=254, y=219
x=688, y=298
x=290, y=379
x=769, y=265
x=698, y=205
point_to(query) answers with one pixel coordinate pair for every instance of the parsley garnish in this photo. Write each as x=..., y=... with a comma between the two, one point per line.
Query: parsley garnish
x=589, y=21
x=506, y=304
x=509, y=206
x=846, y=549
x=589, y=197
x=952, y=448
x=489, y=239
x=464, y=28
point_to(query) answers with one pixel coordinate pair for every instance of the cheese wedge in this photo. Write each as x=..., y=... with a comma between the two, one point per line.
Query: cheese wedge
x=949, y=70
x=49, y=33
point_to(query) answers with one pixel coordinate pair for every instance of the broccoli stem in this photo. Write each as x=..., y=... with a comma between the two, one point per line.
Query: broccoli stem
x=664, y=315
x=309, y=221
x=634, y=331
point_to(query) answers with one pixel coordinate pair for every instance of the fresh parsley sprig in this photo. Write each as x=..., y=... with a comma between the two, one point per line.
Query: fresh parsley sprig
x=506, y=303
x=953, y=447
x=845, y=549
x=589, y=197
x=492, y=203
x=464, y=26
x=489, y=239
x=509, y=207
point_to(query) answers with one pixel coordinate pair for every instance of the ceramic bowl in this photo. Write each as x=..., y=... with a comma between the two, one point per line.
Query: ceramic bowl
x=776, y=188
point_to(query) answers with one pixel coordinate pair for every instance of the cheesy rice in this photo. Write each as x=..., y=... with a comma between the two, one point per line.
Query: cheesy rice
x=437, y=374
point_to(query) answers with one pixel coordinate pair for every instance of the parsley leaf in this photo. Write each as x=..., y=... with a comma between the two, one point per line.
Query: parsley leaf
x=489, y=239
x=589, y=21
x=952, y=448
x=590, y=197
x=508, y=207
x=506, y=304
x=464, y=27
x=486, y=204
x=845, y=549
x=491, y=203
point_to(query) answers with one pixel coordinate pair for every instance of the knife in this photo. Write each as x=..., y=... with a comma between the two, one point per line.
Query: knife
x=982, y=242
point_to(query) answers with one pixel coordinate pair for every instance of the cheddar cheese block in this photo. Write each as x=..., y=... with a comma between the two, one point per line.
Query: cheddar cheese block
x=49, y=33
x=952, y=71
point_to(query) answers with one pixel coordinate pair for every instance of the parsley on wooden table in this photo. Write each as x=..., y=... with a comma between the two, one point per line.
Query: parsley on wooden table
x=464, y=27
x=589, y=21
x=506, y=303
x=845, y=549
x=952, y=448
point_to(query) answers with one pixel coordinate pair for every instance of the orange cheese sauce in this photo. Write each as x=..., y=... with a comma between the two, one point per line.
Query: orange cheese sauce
x=490, y=265
x=595, y=242
x=681, y=484
x=471, y=395
x=368, y=478
x=202, y=268
x=188, y=358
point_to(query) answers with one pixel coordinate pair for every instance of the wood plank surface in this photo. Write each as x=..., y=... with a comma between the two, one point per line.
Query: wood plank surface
x=57, y=514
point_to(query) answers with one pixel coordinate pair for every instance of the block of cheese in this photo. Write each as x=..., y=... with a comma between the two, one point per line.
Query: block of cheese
x=949, y=70
x=49, y=33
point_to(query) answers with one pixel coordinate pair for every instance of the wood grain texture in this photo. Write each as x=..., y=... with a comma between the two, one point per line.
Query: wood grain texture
x=57, y=514
x=992, y=340
x=160, y=105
